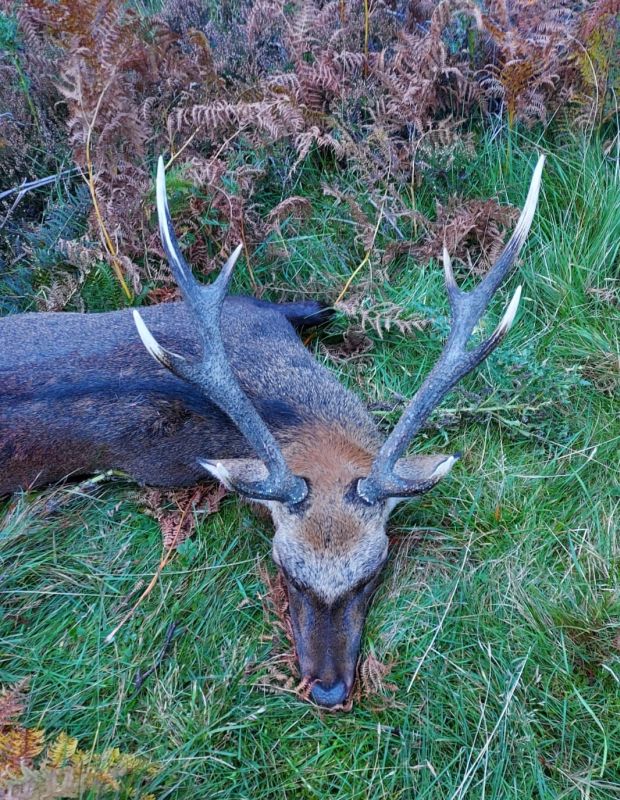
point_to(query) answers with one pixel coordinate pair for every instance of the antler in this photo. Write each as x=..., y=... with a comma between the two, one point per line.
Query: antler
x=455, y=360
x=212, y=373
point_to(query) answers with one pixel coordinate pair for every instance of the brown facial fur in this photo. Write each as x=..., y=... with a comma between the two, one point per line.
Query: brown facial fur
x=332, y=451
x=330, y=461
x=331, y=551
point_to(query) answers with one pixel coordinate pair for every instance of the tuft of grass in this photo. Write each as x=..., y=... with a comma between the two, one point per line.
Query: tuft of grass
x=499, y=612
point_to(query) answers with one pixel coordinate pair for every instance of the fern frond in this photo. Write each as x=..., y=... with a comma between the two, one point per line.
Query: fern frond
x=62, y=749
x=12, y=701
x=473, y=232
x=20, y=746
x=295, y=206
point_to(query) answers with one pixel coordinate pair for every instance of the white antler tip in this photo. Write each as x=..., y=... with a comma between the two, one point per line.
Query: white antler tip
x=537, y=176
x=217, y=470
x=447, y=268
x=148, y=340
x=226, y=271
x=165, y=226
x=531, y=201
x=160, y=185
x=232, y=260
x=510, y=313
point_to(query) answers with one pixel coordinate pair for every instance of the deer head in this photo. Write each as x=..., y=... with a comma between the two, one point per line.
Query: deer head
x=329, y=495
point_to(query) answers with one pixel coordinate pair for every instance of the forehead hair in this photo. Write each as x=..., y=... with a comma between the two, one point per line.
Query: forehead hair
x=332, y=544
x=330, y=561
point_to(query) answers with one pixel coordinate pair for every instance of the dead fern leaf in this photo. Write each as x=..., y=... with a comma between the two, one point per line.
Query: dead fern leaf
x=298, y=207
x=99, y=773
x=12, y=702
x=62, y=770
x=372, y=674
x=371, y=687
x=381, y=317
x=276, y=606
x=19, y=747
x=473, y=231
x=47, y=783
x=179, y=523
x=281, y=672
x=116, y=77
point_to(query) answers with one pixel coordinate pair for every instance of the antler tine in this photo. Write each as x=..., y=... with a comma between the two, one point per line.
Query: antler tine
x=180, y=268
x=213, y=373
x=455, y=360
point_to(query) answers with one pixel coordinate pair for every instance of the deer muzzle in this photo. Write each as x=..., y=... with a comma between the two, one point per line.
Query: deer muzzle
x=327, y=640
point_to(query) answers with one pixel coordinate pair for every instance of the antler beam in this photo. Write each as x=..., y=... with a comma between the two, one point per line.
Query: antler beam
x=456, y=360
x=213, y=373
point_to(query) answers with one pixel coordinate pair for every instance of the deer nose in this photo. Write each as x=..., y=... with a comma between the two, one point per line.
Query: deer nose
x=329, y=696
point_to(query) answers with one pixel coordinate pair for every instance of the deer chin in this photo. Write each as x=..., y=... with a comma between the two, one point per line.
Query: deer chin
x=327, y=641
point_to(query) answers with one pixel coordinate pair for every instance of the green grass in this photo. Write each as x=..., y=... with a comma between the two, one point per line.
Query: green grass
x=500, y=607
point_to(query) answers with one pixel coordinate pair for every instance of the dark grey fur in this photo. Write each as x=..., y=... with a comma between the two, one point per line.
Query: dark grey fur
x=80, y=394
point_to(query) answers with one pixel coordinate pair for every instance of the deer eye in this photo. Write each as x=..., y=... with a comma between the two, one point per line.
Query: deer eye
x=296, y=585
x=370, y=582
x=299, y=587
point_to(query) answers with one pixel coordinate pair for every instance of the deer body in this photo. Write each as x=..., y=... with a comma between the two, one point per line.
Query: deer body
x=80, y=394
x=232, y=391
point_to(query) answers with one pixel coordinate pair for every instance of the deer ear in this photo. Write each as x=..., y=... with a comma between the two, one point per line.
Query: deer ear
x=421, y=473
x=235, y=473
x=423, y=469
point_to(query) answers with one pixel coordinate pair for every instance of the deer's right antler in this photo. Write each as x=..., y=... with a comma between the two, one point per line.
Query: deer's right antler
x=213, y=373
x=454, y=363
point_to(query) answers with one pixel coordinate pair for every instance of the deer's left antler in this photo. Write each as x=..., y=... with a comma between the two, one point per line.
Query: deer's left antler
x=455, y=361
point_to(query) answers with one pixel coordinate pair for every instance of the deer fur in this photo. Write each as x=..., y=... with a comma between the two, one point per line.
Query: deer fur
x=79, y=393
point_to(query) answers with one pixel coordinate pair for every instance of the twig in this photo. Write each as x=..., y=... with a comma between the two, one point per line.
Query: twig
x=109, y=245
x=364, y=261
x=444, y=615
x=28, y=186
x=162, y=564
x=141, y=677
x=175, y=155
